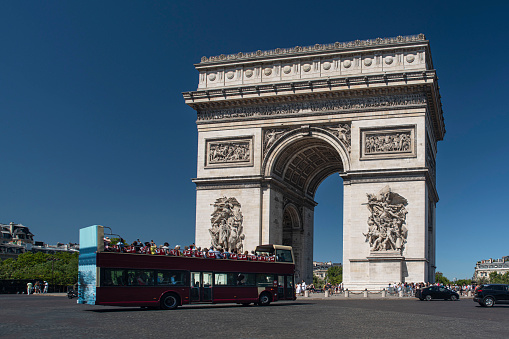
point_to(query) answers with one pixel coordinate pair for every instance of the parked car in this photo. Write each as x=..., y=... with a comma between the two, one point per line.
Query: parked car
x=488, y=295
x=436, y=292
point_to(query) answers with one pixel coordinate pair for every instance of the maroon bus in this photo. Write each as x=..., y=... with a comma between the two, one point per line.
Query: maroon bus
x=166, y=281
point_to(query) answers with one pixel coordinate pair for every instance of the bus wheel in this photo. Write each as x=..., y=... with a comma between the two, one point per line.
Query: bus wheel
x=169, y=302
x=264, y=300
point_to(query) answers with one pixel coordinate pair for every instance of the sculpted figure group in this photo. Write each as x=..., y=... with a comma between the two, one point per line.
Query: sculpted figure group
x=229, y=152
x=394, y=142
x=226, y=230
x=387, y=230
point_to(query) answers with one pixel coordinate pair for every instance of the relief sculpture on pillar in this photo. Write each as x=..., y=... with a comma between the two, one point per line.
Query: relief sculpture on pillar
x=343, y=133
x=226, y=230
x=387, y=230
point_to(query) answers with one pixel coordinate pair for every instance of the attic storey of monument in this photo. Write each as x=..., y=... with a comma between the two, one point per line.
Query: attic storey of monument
x=273, y=125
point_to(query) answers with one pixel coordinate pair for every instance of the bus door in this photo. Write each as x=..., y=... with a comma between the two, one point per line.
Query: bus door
x=290, y=287
x=201, y=286
x=281, y=287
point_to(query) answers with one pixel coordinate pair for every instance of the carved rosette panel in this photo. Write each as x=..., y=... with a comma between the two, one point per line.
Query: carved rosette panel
x=229, y=152
x=386, y=224
x=313, y=107
x=394, y=142
x=343, y=133
x=226, y=230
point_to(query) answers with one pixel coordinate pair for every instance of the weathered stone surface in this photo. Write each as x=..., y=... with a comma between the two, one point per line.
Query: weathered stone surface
x=273, y=125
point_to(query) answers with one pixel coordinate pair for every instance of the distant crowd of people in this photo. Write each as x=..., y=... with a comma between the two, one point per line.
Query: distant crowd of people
x=188, y=251
x=37, y=287
x=408, y=289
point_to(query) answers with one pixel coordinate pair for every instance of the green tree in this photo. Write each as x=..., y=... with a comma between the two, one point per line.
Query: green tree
x=335, y=275
x=60, y=268
x=317, y=281
x=498, y=278
x=439, y=278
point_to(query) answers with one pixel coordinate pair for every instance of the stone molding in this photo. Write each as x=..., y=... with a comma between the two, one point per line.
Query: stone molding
x=202, y=99
x=388, y=142
x=229, y=152
x=298, y=50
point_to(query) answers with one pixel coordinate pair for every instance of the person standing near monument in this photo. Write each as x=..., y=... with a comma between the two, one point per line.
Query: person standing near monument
x=46, y=287
x=29, y=288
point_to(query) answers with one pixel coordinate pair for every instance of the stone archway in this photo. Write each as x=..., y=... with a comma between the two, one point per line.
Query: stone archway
x=273, y=125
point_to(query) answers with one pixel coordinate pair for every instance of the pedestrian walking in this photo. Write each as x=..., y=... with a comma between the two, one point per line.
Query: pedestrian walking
x=46, y=287
x=29, y=288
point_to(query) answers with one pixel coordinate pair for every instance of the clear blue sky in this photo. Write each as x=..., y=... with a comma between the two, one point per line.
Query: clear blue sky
x=95, y=129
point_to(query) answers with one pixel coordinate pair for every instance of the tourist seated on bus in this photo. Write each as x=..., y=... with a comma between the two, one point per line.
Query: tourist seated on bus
x=153, y=247
x=107, y=242
x=166, y=247
x=146, y=249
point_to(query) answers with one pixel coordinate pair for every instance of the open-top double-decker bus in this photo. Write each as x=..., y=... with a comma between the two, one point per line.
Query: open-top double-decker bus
x=168, y=281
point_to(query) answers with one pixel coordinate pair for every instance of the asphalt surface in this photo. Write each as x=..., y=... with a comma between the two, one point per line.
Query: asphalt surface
x=23, y=316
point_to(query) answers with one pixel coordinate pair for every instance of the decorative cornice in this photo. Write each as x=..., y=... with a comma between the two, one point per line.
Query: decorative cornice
x=317, y=87
x=317, y=48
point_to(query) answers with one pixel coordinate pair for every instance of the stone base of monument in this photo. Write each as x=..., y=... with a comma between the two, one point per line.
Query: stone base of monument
x=384, y=268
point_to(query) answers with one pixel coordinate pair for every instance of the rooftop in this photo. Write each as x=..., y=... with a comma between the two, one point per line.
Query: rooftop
x=337, y=46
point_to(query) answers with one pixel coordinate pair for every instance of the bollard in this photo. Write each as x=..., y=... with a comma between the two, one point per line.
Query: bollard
x=401, y=294
x=306, y=293
x=347, y=293
x=365, y=293
x=469, y=294
x=326, y=293
x=384, y=293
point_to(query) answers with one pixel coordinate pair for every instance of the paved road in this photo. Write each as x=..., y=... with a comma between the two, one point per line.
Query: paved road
x=23, y=316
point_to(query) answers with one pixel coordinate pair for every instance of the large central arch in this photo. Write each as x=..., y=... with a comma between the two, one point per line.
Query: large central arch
x=299, y=160
x=273, y=125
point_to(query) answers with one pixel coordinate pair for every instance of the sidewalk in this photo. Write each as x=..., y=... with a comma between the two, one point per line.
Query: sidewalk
x=62, y=294
x=360, y=295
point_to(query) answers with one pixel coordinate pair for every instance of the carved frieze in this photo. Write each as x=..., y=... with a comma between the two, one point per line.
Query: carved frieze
x=227, y=231
x=313, y=107
x=229, y=152
x=392, y=142
x=386, y=224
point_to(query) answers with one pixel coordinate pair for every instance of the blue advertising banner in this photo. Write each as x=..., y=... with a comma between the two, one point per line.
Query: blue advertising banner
x=87, y=271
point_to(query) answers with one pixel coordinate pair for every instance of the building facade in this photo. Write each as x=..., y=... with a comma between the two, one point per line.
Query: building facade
x=17, y=239
x=483, y=268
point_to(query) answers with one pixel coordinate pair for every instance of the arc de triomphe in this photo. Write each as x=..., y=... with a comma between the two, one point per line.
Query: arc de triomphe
x=272, y=125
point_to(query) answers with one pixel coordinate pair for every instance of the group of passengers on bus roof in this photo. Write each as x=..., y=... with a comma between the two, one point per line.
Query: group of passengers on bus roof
x=189, y=251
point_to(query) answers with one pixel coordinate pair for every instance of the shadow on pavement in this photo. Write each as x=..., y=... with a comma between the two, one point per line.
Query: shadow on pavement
x=189, y=307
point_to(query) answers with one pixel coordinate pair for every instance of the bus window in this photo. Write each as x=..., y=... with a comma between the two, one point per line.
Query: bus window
x=171, y=278
x=225, y=279
x=284, y=255
x=140, y=277
x=246, y=279
x=113, y=277
x=263, y=279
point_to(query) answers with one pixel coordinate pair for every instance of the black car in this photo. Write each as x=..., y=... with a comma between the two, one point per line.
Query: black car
x=488, y=295
x=436, y=292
